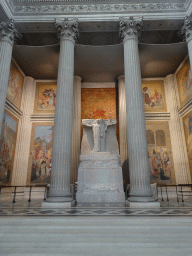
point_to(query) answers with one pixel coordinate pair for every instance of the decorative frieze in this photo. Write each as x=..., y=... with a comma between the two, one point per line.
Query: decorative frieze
x=91, y=8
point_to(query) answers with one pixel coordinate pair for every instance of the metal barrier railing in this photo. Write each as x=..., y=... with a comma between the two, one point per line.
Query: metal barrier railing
x=27, y=186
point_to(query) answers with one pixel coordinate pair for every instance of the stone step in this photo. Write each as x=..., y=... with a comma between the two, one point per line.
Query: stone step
x=95, y=236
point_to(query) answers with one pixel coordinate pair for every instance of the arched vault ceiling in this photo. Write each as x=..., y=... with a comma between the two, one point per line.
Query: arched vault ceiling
x=100, y=63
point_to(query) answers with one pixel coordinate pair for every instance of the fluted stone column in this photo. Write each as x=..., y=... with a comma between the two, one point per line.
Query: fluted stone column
x=123, y=128
x=24, y=134
x=62, y=134
x=186, y=30
x=179, y=150
x=140, y=189
x=7, y=35
x=76, y=132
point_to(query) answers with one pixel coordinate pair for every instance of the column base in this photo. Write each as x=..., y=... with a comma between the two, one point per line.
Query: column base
x=143, y=205
x=141, y=199
x=59, y=199
x=54, y=205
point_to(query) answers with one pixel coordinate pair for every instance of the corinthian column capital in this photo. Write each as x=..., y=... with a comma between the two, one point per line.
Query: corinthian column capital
x=67, y=28
x=8, y=32
x=186, y=30
x=130, y=28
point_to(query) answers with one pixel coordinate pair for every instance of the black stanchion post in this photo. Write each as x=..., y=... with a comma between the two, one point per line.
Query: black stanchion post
x=14, y=194
x=29, y=200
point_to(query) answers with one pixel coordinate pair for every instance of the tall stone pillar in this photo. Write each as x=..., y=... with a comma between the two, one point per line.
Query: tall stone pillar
x=186, y=30
x=123, y=128
x=140, y=189
x=76, y=132
x=180, y=158
x=24, y=134
x=8, y=34
x=62, y=134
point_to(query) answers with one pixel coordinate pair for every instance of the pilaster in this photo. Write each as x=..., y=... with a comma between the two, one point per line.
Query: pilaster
x=180, y=158
x=24, y=134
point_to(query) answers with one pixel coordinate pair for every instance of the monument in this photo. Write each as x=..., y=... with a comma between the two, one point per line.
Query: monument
x=99, y=173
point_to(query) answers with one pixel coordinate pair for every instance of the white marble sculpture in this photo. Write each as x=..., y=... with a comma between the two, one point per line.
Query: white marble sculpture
x=99, y=173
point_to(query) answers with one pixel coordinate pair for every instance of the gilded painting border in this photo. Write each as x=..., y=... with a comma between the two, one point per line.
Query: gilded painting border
x=45, y=97
x=34, y=125
x=13, y=156
x=159, y=98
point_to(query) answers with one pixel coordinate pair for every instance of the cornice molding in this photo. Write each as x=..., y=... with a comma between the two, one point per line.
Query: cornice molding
x=13, y=109
x=7, y=8
x=186, y=108
x=157, y=116
x=95, y=8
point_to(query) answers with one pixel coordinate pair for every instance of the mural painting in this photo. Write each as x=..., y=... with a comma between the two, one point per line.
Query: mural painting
x=41, y=153
x=15, y=85
x=153, y=95
x=184, y=81
x=159, y=153
x=45, y=97
x=98, y=103
x=7, y=148
x=187, y=121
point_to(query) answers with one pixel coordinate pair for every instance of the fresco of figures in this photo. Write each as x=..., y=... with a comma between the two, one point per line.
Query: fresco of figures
x=153, y=95
x=15, y=85
x=45, y=97
x=184, y=81
x=159, y=163
x=7, y=148
x=41, y=154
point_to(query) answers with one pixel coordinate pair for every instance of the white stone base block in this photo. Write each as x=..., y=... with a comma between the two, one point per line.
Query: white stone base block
x=143, y=205
x=100, y=179
x=57, y=205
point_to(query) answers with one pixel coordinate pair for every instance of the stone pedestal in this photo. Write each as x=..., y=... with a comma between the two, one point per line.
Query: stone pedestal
x=100, y=178
x=99, y=173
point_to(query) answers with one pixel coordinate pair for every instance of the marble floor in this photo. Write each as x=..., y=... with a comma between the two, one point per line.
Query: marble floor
x=94, y=229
